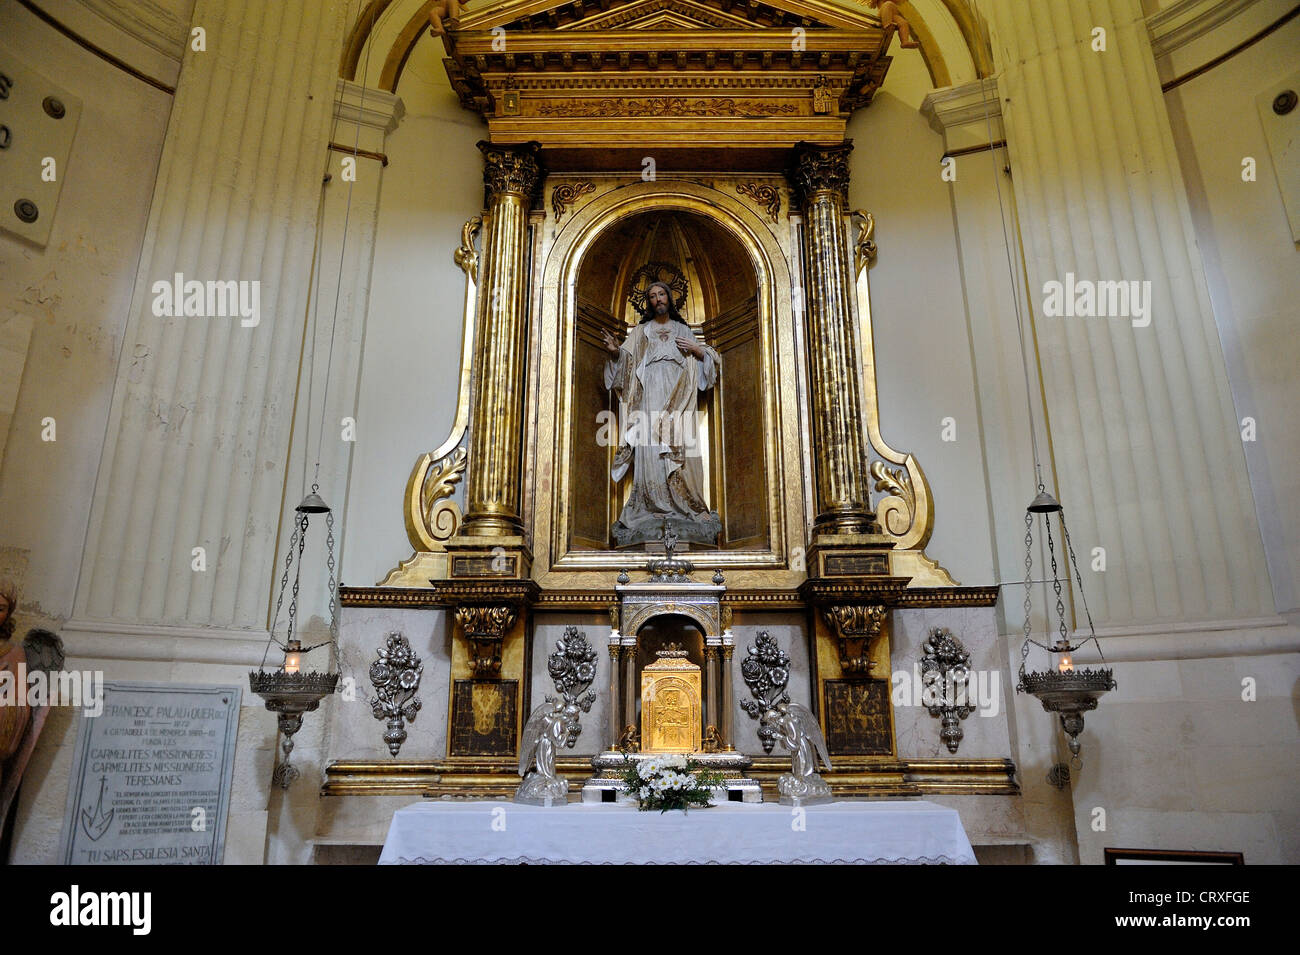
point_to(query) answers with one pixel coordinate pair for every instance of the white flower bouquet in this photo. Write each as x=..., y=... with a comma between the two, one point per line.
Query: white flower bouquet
x=670, y=781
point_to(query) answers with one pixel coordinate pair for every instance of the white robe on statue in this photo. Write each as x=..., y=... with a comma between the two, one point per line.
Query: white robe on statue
x=658, y=389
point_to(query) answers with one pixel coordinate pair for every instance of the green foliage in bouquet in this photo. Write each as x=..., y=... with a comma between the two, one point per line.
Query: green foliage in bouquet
x=669, y=782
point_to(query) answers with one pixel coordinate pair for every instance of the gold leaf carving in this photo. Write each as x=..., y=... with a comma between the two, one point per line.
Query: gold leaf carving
x=484, y=628
x=566, y=193
x=856, y=627
x=668, y=106
x=467, y=256
x=864, y=246
x=442, y=515
x=897, y=511
x=766, y=195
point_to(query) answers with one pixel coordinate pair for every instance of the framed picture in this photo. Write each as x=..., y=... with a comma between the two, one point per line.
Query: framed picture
x=1170, y=857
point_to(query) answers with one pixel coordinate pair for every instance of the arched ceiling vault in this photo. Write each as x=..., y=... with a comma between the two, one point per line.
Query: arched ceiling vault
x=385, y=32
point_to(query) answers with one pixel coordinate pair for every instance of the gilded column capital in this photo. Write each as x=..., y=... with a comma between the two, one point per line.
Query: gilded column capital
x=817, y=169
x=510, y=169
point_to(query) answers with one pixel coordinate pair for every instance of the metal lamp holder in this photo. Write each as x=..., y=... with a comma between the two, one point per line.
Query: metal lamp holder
x=1065, y=690
x=290, y=692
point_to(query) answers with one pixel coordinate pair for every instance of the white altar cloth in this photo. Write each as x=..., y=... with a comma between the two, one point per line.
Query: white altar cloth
x=850, y=831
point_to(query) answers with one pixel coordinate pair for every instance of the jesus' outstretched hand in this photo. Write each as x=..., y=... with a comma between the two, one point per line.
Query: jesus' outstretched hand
x=611, y=343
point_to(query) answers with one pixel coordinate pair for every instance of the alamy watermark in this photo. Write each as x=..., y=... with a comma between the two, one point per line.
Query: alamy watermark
x=668, y=429
x=1084, y=298
x=37, y=688
x=981, y=690
x=190, y=298
x=129, y=909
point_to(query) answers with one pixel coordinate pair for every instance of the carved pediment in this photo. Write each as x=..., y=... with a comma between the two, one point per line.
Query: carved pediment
x=683, y=14
x=644, y=14
x=661, y=15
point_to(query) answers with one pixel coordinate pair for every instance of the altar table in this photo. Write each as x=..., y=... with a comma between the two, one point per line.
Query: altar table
x=849, y=831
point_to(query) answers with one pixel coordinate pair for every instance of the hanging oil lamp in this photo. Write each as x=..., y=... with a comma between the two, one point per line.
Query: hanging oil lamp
x=289, y=690
x=1063, y=688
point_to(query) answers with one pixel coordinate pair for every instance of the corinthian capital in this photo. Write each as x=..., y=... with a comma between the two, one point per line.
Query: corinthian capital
x=510, y=169
x=820, y=169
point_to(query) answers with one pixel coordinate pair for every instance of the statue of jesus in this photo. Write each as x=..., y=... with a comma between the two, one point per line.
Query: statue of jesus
x=658, y=374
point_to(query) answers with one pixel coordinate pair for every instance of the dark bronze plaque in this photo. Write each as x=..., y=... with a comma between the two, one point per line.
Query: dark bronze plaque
x=483, y=566
x=857, y=565
x=857, y=718
x=484, y=718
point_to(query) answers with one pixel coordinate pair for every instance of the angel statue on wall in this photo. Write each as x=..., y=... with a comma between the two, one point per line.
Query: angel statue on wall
x=798, y=731
x=556, y=723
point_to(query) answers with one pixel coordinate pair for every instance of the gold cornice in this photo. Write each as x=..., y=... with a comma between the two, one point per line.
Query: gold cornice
x=866, y=42
x=794, y=83
x=598, y=600
x=485, y=777
x=455, y=592
x=877, y=590
x=398, y=598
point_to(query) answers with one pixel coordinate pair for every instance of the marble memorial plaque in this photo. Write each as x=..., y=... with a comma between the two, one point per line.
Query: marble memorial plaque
x=151, y=776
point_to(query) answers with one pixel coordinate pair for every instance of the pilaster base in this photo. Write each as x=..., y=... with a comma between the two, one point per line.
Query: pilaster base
x=488, y=557
x=849, y=555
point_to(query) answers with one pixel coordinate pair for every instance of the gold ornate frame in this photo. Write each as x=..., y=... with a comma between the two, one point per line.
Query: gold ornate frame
x=548, y=441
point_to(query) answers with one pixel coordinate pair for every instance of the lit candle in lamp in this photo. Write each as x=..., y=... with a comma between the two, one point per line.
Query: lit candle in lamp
x=1066, y=665
x=293, y=657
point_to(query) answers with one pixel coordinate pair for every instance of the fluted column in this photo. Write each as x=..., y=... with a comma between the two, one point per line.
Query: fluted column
x=1145, y=437
x=494, y=487
x=199, y=432
x=711, y=719
x=728, y=741
x=631, y=692
x=821, y=178
x=615, y=681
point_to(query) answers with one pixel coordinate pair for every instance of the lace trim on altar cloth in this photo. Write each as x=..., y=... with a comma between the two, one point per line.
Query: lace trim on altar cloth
x=530, y=860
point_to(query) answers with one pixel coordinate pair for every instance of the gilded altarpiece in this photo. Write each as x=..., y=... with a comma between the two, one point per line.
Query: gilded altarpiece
x=690, y=134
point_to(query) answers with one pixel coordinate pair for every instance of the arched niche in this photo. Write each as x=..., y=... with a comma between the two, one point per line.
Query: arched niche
x=662, y=629
x=721, y=306
x=569, y=370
